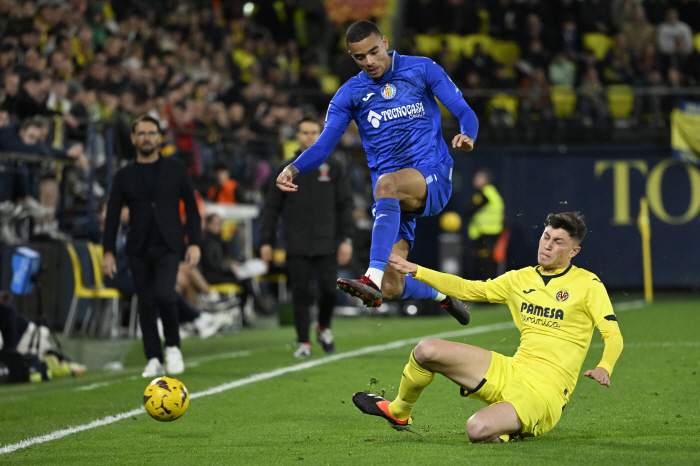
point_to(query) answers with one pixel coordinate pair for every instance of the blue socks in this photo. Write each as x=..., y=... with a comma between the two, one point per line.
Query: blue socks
x=413, y=289
x=386, y=227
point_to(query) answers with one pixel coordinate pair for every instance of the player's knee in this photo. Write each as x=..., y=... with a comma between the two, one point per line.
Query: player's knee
x=386, y=186
x=426, y=352
x=477, y=429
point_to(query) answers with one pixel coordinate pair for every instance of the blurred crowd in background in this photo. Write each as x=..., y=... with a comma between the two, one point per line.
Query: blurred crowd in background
x=229, y=80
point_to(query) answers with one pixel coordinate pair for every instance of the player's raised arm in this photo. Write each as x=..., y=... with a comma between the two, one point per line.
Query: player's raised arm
x=451, y=97
x=613, y=347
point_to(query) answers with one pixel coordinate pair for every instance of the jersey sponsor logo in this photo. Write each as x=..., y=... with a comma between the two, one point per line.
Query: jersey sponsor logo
x=407, y=111
x=366, y=98
x=374, y=118
x=533, y=311
x=562, y=295
x=389, y=91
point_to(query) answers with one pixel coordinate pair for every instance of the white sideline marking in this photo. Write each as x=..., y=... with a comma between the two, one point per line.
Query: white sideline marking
x=627, y=305
x=255, y=378
x=95, y=385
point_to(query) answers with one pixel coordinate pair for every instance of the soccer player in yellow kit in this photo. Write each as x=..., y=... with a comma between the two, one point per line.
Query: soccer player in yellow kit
x=555, y=305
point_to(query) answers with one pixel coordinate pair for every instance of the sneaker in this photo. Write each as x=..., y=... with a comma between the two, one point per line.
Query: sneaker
x=457, y=309
x=173, y=360
x=363, y=288
x=304, y=350
x=375, y=405
x=324, y=337
x=208, y=324
x=153, y=369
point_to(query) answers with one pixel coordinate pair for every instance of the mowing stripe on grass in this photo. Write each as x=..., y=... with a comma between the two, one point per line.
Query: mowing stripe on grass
x=256, y=378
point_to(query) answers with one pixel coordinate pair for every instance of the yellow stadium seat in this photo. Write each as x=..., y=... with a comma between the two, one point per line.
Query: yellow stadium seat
x=454, y=41
x=427, y=44
x=509, y=103
x=469, y=41
x=329, y=83
x=696, y=41
x=80, y=291
x=620, y=100
x=505, y=52
x=598, y=43
x=226, y=288
x=563, y=100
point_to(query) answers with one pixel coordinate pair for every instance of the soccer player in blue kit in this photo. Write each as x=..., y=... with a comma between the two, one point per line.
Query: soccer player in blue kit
x=393, y=103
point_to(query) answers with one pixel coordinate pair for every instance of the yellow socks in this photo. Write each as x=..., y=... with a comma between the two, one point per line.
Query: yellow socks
x=415, y=379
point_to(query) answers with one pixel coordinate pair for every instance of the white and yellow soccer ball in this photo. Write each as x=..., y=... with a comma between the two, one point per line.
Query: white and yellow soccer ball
x=166, y=399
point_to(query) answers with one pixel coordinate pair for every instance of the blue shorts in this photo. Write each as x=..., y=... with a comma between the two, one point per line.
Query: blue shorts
x=439, y=183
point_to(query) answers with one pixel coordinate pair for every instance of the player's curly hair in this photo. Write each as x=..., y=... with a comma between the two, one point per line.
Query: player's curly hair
x=361, y=30
x=572, y=222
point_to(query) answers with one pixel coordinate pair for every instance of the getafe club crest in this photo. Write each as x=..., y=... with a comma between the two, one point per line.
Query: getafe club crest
x=562, y=295
x=389, y=91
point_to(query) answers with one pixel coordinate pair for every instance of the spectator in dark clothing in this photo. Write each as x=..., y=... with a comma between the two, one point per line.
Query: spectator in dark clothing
x=216, y=266
x=318, y=237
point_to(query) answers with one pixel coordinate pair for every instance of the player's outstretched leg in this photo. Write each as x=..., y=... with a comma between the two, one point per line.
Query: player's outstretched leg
x=375, y=405
x=413, y=289
x=386, y=227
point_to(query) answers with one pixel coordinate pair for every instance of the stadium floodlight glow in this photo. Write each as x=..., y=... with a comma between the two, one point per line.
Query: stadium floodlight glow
x=248, y=9
x=411, y=309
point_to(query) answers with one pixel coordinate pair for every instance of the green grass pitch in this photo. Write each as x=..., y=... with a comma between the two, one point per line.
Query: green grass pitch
x=252, y=403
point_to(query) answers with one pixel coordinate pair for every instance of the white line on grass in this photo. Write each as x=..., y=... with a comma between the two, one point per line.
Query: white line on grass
x=256, y=378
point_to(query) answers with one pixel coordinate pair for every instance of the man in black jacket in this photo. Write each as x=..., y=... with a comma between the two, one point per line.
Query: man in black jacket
x=152, y=187
x=318, y=226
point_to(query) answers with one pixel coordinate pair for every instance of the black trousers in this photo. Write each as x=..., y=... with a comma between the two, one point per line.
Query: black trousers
x=301, y=275
x=486, y=267
x=154, y=275
x=12, y=325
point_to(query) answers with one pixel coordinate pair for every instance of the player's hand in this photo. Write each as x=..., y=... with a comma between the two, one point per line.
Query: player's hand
x=463, y=142
x=192, y=255
x=402, y=265
x=284, y=180
x=600, y=375
x=109, y=265
x=344, y=253
x=266, y=253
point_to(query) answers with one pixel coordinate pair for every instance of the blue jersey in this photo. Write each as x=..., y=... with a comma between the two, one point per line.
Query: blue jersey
x=397, y=115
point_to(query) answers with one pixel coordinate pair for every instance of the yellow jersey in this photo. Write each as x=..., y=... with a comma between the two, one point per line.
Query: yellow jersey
x=555, y=314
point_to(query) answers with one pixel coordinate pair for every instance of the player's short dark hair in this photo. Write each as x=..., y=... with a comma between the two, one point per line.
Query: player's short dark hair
x=144, y=118
x=308, y=119
x=37, y=121
x=220, y=166
x=361, y=30
x=572, y=222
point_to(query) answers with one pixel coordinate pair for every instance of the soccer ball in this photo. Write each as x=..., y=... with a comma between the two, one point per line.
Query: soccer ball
x=166, y=399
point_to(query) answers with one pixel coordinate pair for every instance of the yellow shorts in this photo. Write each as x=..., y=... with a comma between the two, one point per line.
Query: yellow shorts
x=538, y=405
